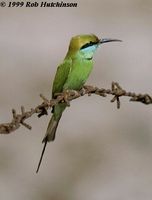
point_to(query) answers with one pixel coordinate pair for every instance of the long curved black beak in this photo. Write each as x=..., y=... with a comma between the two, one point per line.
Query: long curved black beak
x=105, y=40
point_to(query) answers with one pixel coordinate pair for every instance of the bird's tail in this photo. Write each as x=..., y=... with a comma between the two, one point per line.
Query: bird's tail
x=49, y=136
x=51, y=129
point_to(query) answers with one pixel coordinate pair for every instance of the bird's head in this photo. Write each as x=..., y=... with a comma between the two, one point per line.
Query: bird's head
x=86, y=45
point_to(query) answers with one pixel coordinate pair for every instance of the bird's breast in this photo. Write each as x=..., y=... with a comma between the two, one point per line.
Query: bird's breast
x=79, y=74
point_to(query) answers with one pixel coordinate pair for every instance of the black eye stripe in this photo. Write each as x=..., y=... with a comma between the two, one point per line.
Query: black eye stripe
x=88, y=44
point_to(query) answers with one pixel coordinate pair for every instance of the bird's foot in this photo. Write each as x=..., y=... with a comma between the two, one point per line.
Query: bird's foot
x=66, y=94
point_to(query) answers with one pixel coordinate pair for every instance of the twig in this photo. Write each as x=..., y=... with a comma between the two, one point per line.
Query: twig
x=116, y=91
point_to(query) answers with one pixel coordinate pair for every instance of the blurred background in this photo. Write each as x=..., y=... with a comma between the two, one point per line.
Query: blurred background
x=99, y=152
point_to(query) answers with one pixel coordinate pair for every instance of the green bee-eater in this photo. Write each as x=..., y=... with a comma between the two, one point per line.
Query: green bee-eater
x=71, y=74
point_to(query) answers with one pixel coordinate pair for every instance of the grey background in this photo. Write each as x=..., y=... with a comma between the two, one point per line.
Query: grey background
x=100, y=152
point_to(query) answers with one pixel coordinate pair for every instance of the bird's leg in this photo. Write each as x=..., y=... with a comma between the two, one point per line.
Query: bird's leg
x=70, y=94
x=66, y=94
x=63, y=96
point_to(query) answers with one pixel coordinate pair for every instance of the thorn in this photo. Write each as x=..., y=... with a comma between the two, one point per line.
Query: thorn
x=26, y=125
x=22, y=110
x=118, y=102
x=45, y=99
x=14, y=113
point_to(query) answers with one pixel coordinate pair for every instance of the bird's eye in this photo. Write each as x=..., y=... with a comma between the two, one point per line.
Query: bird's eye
x=88, y=44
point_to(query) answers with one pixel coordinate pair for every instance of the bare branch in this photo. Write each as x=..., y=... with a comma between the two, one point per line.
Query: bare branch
x=116, y=91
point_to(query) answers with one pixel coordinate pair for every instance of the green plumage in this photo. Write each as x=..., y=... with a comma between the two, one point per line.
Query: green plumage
x=71, y=75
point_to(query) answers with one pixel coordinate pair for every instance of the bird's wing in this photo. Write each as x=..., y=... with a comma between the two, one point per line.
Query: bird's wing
x=61, y=76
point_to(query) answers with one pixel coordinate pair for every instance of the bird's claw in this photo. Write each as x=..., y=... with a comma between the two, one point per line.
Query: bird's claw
x=66, y=96
x=65, y=99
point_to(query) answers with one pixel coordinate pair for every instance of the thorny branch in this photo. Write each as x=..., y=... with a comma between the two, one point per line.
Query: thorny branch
x=67, y=96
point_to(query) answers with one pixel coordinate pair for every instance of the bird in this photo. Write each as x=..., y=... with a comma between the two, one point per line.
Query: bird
x=72, y=74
